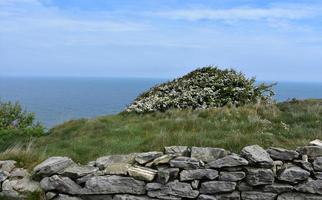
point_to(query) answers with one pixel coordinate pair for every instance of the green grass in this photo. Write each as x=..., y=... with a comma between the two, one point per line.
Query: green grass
x=288, y=125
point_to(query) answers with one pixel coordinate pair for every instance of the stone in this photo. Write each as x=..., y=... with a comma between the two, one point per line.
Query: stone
x=317, y=164
x=233, y=160
x=174, y=188
x=278, y=188
x=143, y=158
x=244, y=186
x=7, y=165
x=226, y=196
x=97, y=197
x=167, y=174
x=142, y=173
x=3, y=176
x=316, y=142
x=207, y=197
x=153, y=186
x=131, y=197
x=282, y=154
x=178, y=150
x=50, y=195
x=19, y=173
x=116, y=169
x=165, y=159
x=304, y=164
x=256, y=155
x=60, y=184
x=52, y=165
x=256, y=195
x=113, y=185
x=77, y=171
x=293, y=174
x=311, y=151
x=186, y=163
x=195, y=184
x=259, y=176
x=231, y=176
x=198, y=174
x=116, y=160
x=66, y=197
x=318, y=175
x=24, y=185
x=298, y=196
x=212, y=187
x=311, y=186
x=207, y=154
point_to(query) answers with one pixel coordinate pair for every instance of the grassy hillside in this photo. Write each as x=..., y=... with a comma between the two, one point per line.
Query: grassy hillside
x=287, y=124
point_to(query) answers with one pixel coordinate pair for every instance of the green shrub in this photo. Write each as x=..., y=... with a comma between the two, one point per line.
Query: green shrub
x=207, y=87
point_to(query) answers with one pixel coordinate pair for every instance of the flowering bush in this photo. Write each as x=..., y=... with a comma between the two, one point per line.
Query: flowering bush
x=203, y=88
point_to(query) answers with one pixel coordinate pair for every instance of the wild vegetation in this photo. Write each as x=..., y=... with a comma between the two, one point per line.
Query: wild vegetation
x=207, y=87
x=288, y=124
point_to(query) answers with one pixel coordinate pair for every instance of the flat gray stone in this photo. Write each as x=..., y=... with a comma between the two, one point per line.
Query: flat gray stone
x=178, y=150
x=233, y=160
x=142, y=173
x=23, y=186
x=231, y=176
x=77, y=171
x=293, y=174
x=61, y=184
x=165, y=159
x=3, y=176
x=106, y=161
x=311, y=186
x=282, y=154
x=52, y=165
x=317, y=164
x=225, y=196
x=278, y=188
x=143, y=158
x=298, y=196
x=256, y=155
x=213, y=187
x=207, y=197
x=207, y=154
x=311, y=151
x=244, y=186
x=198, y=174
x=304, y=164
x=50, y=195
x=131, y=197
x=66, y=197
x=256, y=195
x=167, y=174
x=316, y=142
x=19, y=173
x=7, y=165
x=97, y=197
x=186, y=163
x=259, y=176
x=114, y=185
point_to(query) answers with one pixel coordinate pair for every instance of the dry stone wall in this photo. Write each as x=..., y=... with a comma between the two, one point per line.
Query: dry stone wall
x=179, y=172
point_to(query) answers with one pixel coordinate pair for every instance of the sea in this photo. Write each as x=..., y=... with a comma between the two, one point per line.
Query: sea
x=58, y=99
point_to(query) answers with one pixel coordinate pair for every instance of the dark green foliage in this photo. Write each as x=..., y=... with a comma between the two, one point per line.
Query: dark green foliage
x=206, y=87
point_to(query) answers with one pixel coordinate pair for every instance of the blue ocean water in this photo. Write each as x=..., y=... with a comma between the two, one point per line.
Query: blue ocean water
x=55, y=100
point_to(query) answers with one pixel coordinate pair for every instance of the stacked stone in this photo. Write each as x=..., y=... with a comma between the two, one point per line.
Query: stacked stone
x=15, y=182
x=181, y=172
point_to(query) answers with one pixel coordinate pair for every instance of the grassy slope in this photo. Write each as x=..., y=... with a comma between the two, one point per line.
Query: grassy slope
x=285, y=125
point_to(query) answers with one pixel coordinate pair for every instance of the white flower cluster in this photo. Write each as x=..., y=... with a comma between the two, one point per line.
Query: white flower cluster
x=203, y=88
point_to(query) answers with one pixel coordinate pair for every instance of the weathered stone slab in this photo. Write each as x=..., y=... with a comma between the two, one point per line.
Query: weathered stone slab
x=256, y=155
x=167, y=174
x=178, y=150
x=298, y=196
x=106, y=161
x=259, y=176
x=233, y=160
x=114, y=185
x=278, y=188
x=317, y=164
x=131, y=197
x=316, y=142
x=165, y=159
x=143, y=158
x=304, y=164
x=231, y=176
x=198, y=174
x=293, y=174
x=66, y=197
x=7, y=165
x=255, y=195
x=213, y=187
x=186, y=163
x=60, y=184
x=52, y=165
x=207, y=154
x=3, y=176
x=19, y=173
x=225, y=196
x=77, y=171
x=142, y=173
x=311, y=151
x=282, y=154
x=21, y=186
x=311, y=186
x=97, y=197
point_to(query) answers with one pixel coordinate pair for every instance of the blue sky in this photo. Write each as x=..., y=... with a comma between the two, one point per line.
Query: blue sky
x=272, y=40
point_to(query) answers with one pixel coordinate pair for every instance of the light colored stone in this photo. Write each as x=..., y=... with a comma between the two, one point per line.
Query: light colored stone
x=278, y=188
x=3, y=176
x=256, y=155
x=311, y=186
x=19, y=173
x=259, y=176
x=293, y=174
x=231, y=176
x=311, y=151
x=131, y=197
x=143, y=158
x=50, y=195
x=142, y=173
x=114, y=185
x=114, y=160
x=21, y=186
x=167, y=174
x=116, y=169
x=66, y=197
x=233, y=160
x=60, y=184
x=77, y=171
x=52, y=165
x=298, y=196
x=317, y=164
x=316, y=142
x=207, y=154
x=177, y=150
x=7, y=165
x=282, y=154
x=256, y=195
x=165, y=159
x=186, y=163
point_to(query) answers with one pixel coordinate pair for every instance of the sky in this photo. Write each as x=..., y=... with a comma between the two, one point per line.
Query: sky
x=272, y=40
